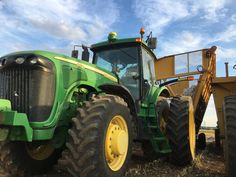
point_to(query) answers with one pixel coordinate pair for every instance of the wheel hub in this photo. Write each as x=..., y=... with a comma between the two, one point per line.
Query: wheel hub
x=116, y=145
x=39, y=151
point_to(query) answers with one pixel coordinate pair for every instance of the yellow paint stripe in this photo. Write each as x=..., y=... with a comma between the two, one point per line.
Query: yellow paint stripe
x=88, y=67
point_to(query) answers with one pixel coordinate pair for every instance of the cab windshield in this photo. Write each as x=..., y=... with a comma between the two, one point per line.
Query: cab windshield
x=122, y=61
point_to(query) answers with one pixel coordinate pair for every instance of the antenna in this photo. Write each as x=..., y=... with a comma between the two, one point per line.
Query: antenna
x=149, y=37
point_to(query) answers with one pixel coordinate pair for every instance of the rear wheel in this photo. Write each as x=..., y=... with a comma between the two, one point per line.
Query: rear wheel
x=230, y=134
x=100, y=140
x=181, y=131
x=27, y=159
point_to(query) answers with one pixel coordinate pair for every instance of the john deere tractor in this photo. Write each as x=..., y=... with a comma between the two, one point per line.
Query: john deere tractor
x=87, y=116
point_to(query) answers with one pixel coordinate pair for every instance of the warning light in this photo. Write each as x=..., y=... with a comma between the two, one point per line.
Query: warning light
x=142, y=31
x=112, y=36
x=190, y=78
x=138, y=40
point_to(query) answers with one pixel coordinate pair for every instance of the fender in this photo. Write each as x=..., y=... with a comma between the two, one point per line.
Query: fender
x=155, y=92
x=121, y=91
x=124, y=93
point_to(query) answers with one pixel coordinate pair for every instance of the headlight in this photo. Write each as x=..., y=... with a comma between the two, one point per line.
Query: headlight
x=20, y=60
x=33, y=60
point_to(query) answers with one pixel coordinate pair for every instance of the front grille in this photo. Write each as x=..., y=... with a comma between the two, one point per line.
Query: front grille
x=14, y=86
x=29, y=87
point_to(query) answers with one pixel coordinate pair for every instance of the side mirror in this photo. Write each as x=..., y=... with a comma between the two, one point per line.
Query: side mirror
x=85, y=54
x=75, y=53
x=152, y=43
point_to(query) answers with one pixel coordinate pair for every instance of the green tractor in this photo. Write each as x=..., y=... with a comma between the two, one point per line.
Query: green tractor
x=55, y=108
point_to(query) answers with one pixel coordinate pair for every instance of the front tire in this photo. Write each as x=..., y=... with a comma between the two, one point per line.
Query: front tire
x=100, y=140
x=230, y=134
x=181, y=131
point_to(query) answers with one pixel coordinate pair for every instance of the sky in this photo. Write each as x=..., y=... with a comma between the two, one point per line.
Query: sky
x=179, y=25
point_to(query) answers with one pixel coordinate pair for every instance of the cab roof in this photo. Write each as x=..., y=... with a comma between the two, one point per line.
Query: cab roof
x=118, y=41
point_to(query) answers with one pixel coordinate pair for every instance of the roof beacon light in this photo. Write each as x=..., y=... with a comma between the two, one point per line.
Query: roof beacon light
x=112, y=36
x=142, y=31
x=138, y=40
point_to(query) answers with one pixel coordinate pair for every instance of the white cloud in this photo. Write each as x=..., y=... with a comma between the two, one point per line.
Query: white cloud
x=188, y=41
x=233, y=17
x=1, y=5
x=158, y=14
x=182, y=42
x=228, y=35
x=213, y=10
x=226, y=55
x=64, y=20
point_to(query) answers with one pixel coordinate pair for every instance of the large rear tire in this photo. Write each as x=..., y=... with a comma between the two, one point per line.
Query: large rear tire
x=27, y=159
x=230, y=134
x=181, y=131
x=100, y=139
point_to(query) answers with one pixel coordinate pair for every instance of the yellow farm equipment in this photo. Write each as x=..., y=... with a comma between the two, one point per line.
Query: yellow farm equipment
x=194, y=74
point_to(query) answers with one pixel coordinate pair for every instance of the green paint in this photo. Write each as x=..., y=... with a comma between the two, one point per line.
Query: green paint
x=18, y=124
x=5, y=105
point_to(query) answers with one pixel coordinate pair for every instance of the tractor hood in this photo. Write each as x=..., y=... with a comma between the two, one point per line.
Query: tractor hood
x=27, y=56
x=36, y=90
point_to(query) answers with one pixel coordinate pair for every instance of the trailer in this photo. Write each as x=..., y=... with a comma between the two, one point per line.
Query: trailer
x=200, y=66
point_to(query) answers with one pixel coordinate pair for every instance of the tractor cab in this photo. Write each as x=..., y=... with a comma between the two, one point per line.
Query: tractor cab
x=131, y=60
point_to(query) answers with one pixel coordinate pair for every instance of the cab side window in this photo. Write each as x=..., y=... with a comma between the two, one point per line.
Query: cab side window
x=148, y=67
x=148, y=71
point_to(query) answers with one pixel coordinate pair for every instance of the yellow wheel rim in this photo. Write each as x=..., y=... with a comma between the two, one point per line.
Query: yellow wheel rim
x=117, y=142
x=192, y=130
x=39, y=151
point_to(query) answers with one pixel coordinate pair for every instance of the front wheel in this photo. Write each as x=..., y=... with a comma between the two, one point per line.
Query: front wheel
x=100, y=140
x=27, y=159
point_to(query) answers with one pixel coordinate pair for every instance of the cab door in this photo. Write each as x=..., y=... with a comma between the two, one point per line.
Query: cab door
x=148, y=79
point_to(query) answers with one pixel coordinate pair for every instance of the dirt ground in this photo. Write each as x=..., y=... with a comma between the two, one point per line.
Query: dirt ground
x=208, y=163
